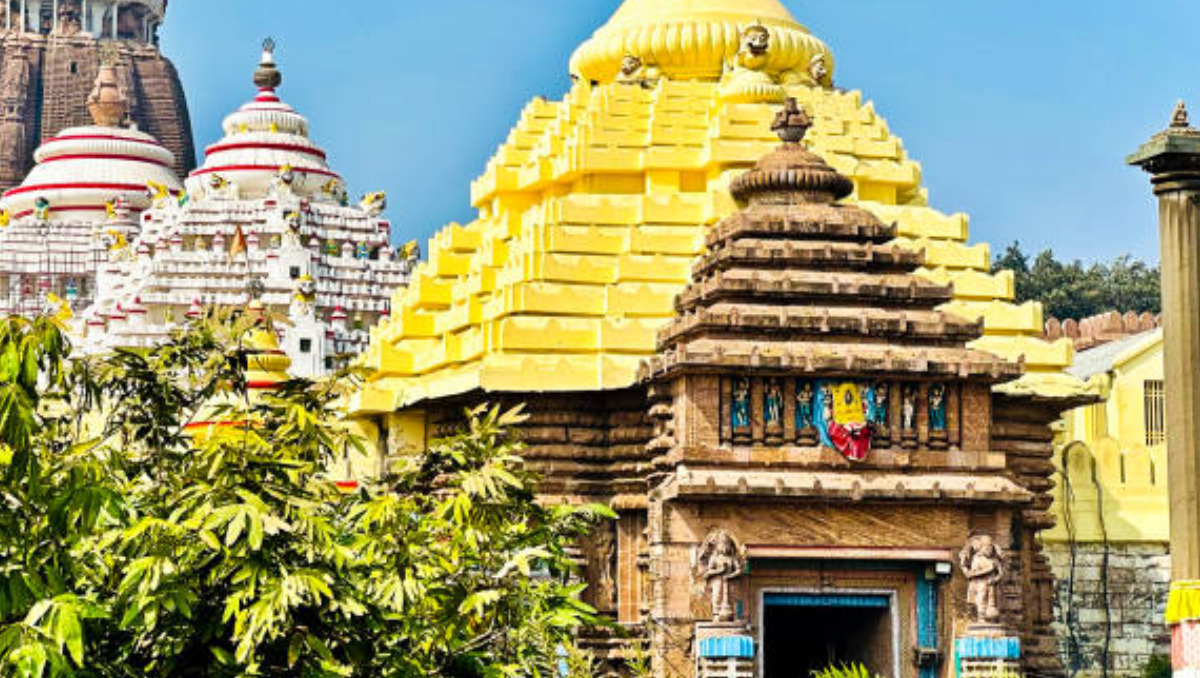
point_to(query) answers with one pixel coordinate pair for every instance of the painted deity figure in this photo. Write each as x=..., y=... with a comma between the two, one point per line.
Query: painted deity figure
x=937, y=408
x=882, y=396
x=756, y=42
x=746, y=79
x=773, y=404
x=908, y=409
x=304, y=300
x=716, y=563
x=282, y=182
x=740, y=412
x=41, y=210
x=804, y=406
x=982, y=562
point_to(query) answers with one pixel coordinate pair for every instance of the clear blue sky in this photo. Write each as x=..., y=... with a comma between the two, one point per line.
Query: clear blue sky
x=1021, y=112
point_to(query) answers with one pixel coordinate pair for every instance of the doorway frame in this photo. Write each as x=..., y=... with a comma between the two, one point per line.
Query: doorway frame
x=893, y=608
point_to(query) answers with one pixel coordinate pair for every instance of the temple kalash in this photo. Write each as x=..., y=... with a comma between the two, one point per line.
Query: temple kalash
x=714, y=280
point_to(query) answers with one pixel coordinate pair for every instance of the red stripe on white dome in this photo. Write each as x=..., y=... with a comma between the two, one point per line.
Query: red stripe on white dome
x=266, y=146
x=105, y=156
x=102, y=137
x=264, y=168
x=74, y=186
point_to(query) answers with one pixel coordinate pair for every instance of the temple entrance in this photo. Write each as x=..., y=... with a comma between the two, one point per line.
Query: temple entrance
x=805, y=632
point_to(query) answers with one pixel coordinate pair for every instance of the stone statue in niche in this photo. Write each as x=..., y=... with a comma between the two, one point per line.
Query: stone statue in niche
x=746, y=79
x=881, y=401
x=602, y=559
x=716, y=563
x=982, y=562
x=773, y=404
x=937, y=416
x=818, y=69
x=805, y=429
x=908, y=414
x=740, y=411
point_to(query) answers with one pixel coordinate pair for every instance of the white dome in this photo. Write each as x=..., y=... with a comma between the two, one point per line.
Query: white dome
x=83, y=168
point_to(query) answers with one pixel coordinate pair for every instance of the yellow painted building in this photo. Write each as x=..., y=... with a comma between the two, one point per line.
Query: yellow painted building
x=1113, y=460
x=592, y=211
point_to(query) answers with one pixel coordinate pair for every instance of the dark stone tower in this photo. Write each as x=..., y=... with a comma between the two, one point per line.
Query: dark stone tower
x=49, y=57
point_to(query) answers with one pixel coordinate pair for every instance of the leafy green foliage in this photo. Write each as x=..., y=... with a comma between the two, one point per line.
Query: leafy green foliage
x=852, y=670
x=1158, y=666
x=1074, y=291
x=138, y=540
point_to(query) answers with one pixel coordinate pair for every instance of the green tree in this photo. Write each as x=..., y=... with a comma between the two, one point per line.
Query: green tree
x=1072, y=290
x=134, y=545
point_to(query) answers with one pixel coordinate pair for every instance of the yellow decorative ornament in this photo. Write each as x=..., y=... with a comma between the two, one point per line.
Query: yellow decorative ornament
x=695, y=39
x=118, y=241
x=59, y=308
x=5, y=218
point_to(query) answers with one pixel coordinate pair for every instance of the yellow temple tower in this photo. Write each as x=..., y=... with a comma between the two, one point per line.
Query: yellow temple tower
x=592, y=211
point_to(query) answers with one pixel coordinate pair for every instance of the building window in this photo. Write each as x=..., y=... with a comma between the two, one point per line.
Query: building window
x=306, y=345
x=1156, y=413
x=294, y=272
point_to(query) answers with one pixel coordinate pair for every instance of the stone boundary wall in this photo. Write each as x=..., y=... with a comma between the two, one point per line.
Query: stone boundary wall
x=1138, y=578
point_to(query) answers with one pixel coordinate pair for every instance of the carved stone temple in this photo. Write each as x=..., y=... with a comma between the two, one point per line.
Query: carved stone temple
x=813, y=467
x=821, y=420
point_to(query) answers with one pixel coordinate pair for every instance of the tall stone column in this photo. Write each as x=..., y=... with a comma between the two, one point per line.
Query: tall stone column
x=1172, y=158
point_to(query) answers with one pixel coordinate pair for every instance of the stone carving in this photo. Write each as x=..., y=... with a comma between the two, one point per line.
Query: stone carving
x=41, y=210
x=335, y=190
x=220, y=188
x=804, y=409
x=70, y=20
x=982, y=562
x=746, y=78
x=374, y=203
x=937, y=408
x=818, y=70
x=1180, y=118
x=773, y=404
x=716, y=563
x=602, y=564
x=881, y=402
x=304, y=300
x=740, y=410
x=908, y=415
x=634, y=71
x=282, y=182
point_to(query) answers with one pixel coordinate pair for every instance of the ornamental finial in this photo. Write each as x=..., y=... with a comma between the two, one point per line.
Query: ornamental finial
x=1180, y=119
x=792, y=123
x=268, y=76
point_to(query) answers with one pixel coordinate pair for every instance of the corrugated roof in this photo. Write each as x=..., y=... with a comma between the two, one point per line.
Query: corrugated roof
x=1098, y=360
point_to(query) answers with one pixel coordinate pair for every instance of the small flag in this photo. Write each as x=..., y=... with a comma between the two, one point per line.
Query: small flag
x=239, y=244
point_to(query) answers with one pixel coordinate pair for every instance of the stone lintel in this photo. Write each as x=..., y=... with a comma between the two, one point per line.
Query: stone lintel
x=688, y=483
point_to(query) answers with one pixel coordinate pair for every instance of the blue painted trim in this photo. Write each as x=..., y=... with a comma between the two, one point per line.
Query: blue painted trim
x=988, y=648
x=817, y=600
x=727, y=647
x=927, y=619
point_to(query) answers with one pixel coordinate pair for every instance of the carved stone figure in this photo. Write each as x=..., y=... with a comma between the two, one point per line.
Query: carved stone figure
x=740, y=412
x=937, y=408
x=634, y=71
x=304, y=300
x=746, y=78
x=374, y=203
x=909, y=409
x=716, y=563
x=879, y=413
x=818, y=70
x=982, y=562
x=773, y=404
x=70, y=17
x=602, y=561
x=804, y=406
x=221, y=188
x=334, y=189
x=281, y=183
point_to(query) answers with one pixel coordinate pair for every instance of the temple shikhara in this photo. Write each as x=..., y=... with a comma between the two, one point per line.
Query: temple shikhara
x=103, y=230
x=824, y=424
x=264, y=216
x=49, y=59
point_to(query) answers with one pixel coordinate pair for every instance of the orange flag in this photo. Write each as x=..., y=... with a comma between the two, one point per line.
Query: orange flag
x=239, y=244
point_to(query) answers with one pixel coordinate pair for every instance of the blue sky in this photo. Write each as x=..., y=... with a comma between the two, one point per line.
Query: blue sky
x=1021, y=112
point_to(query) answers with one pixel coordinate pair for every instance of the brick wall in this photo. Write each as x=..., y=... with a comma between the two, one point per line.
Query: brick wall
x=1138, y=577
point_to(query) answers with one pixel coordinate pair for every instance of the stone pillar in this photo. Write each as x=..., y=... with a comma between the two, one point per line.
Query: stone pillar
x=1172, y=157
x=116, y=9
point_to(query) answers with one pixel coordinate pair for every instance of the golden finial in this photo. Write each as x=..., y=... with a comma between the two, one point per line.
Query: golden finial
x=792, y=123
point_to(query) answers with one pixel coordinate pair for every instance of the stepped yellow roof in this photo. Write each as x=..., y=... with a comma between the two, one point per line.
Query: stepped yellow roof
x=694, y=38
x=593, y=211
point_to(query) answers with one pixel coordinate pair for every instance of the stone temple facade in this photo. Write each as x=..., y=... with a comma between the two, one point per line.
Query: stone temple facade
x=50, y=54
x=813, y=467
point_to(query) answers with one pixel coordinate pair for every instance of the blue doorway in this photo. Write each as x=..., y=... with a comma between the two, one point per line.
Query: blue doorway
x=804, y=632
